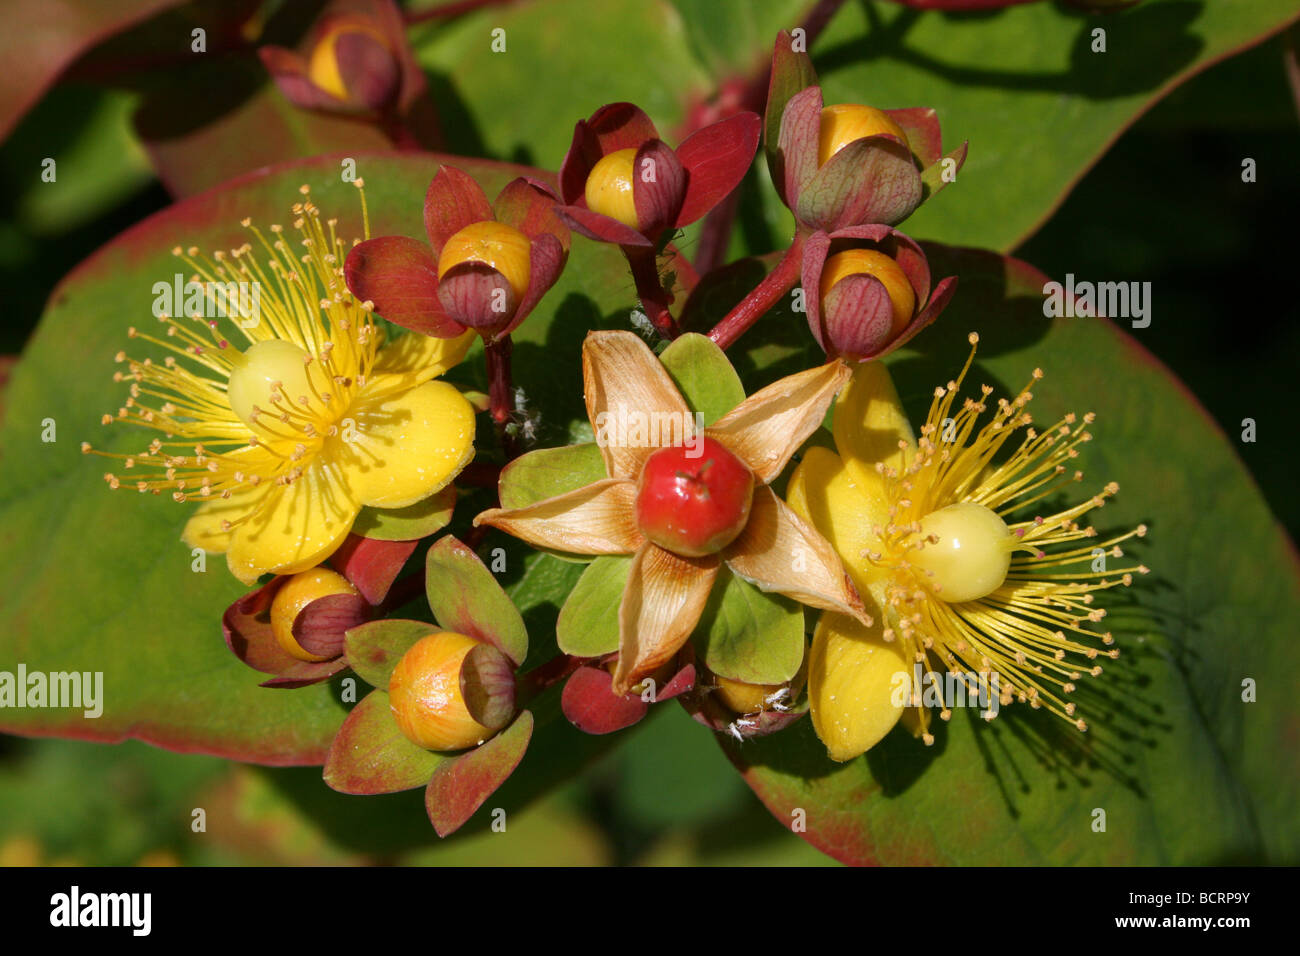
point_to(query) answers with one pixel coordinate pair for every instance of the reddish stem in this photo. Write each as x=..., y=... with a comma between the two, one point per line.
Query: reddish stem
x=765, y=295
x=654, y=298
x=500, y=397
x=547, y=675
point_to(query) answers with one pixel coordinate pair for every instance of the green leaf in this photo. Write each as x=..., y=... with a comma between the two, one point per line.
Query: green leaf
x=408, y=524
x=1009, y=97
x=548, y=472
x=588, y=622
x=99, y=581
x=749, y=635
x=374, y=648
x=708, y=381
x=371, y=754
x=465, y=598
x=1167, y=718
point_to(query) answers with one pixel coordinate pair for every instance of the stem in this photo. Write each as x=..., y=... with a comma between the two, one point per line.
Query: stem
x=547, y=675
x=500, y=396
x=777, y=283
x=654, y=299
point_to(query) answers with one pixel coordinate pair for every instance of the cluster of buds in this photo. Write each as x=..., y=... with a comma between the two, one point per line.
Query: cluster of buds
x=445, y=710
x=485, y=267
x=848, y=172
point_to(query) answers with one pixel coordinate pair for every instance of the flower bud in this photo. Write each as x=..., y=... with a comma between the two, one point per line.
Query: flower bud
x=609, y=187
x=742, y=698
x=353, y=62
x=694, y=499
x=292, y=599
x=879, y=266
x=451, y=692
x=493, y=244
x=844, y=123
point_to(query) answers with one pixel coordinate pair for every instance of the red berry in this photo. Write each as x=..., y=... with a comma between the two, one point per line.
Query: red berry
x=693, y=500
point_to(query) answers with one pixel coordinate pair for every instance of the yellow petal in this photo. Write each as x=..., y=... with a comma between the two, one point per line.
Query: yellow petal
x=414, y=359
x=858, y=684
x=595, y=519
x=779, y=551
x=661, y=605
x=621, y=376
x=768, y=427
x=203, y=530
x=398, y=450
x=299, y=525
x=828, y=496
x=869, y=423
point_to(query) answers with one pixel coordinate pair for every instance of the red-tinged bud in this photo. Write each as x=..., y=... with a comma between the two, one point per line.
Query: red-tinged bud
x=493, y=244
x=844, y=123
x=292, y=599
x=451, y=692
x=877, y=265
x=694, y=499
x=609, y=187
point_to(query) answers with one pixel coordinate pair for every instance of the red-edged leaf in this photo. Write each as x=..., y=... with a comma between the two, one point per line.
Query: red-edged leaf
x=453, y=201
x=546, y=258
x=400, y=276
x=460, y=785
x=320, y=626
x=791, y=73
x=716, y=160
x=658, y=186
x=371, y=564
x=613, y=127
x=247, y=627
x=305, y=673
x=41, y=39
x=478, y=296
x=590, y=704
x=373, y=649
x=921, y=124
x=370, y=754
x=528, y=205
x=466, y=598
x=796, y=148
x=600, y=228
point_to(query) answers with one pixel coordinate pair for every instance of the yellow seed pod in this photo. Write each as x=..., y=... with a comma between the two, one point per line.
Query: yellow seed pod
x=966, y=552
x=494, y=244
x=742, y=698
x=844, y=123
x=877, y=264
x=609, y=187
x=426, y=697
x=294, y=595
x=323, y=64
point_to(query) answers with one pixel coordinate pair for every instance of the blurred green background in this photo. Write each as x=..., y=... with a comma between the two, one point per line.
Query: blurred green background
x=1225, y=322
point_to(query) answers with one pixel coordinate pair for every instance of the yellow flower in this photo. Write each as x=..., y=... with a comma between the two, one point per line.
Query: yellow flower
x=925, y=529
x=285, y=439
